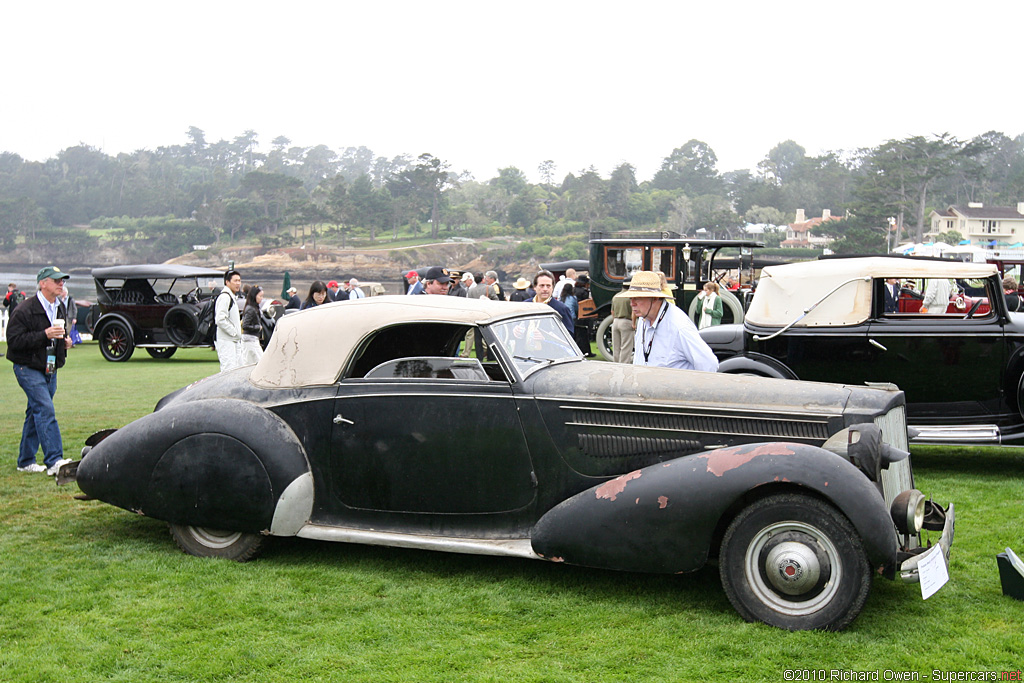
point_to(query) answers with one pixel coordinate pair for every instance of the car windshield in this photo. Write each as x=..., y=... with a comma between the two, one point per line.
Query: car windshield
x=535, y=342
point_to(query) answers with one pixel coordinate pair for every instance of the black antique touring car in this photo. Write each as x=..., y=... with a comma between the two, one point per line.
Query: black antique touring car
x=960, y=362
x=155, y=307
x=362, y=424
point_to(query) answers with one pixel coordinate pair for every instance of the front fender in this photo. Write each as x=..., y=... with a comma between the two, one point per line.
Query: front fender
x=216, y=463
x=663, y=518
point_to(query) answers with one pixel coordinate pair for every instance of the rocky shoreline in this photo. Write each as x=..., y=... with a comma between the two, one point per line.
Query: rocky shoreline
x=304, y=264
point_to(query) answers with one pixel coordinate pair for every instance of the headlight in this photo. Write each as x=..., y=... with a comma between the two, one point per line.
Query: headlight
x=907, y=511
x=863, y=446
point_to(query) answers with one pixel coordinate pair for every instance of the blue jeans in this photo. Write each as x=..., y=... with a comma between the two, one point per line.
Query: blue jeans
x=40, y=419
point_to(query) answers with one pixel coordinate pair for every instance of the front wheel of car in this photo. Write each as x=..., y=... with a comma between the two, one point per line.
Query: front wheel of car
x=161, y=352
x=117, y=344
x=229, y=545
x=795, y=562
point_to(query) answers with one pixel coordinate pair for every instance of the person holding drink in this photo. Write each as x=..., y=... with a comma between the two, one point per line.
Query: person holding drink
x=37, y=344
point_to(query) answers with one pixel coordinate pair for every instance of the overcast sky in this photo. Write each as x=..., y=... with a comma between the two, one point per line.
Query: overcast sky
x=484, y=85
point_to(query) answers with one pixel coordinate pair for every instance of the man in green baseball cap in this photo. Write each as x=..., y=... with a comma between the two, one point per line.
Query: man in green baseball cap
x=37, y=344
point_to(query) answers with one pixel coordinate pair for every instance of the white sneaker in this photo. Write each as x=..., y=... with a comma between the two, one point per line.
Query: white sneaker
x=52, y=470
x=34, y=467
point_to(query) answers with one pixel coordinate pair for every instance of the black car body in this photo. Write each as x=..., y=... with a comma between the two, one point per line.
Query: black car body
x=155, y=307
x=362, y=424
x=960, y=364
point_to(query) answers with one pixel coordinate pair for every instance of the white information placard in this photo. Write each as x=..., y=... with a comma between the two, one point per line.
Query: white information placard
x=933, y=571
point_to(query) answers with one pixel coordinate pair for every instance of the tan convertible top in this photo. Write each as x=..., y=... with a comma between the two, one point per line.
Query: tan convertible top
x=312, y=347
x=784, y=292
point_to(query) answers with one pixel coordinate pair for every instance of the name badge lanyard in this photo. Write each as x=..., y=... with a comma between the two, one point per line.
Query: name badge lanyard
x=645, y=346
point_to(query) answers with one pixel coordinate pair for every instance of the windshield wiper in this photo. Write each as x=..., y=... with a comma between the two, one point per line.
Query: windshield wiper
x=532, y=359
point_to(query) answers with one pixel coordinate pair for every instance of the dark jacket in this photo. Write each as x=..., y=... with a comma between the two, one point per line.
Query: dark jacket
x=251, y=321
x=26, y=335
x=564, y=313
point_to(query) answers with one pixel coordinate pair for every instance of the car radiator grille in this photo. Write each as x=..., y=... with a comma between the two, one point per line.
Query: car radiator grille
x=899, y=476
x=746, y=425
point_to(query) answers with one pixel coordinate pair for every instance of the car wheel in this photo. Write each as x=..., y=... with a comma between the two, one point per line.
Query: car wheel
x=229, y=545
x=116, y=342
x=181, y=324
x=729, y=300
x=604, y=338
x=795, y=562
x=162, y=352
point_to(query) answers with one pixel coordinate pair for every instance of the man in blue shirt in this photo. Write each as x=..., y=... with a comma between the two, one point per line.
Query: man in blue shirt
x=544, y=286
x=665, y=336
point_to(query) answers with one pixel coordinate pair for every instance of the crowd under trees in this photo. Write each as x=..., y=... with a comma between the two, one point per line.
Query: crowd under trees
x=159, y=203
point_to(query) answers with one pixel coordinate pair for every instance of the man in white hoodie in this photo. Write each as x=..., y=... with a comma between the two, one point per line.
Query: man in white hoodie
x=229, y=323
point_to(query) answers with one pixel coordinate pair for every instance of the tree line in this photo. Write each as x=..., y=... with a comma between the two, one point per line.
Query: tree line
x=162, y=202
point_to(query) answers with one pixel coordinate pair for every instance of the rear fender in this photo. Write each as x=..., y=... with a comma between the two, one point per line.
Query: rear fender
x=216, y=463
x=663, y=518
x=756, y=364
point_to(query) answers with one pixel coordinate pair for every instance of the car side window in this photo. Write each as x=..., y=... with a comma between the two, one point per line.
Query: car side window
x=430, y=368
x=905, y=298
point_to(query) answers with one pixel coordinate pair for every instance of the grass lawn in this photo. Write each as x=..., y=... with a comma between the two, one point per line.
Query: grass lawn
x=89, y=592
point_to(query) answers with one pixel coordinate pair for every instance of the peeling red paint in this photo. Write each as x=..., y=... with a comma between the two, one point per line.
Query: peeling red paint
x=558, y=559
x=662, y=502
x=721, y=461
x=613, y=488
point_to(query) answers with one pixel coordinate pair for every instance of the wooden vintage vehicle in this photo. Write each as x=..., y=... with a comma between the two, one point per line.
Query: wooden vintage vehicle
x=686, y=262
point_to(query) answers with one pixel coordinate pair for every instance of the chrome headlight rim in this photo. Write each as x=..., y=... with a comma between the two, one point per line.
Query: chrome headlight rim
x=907, y=511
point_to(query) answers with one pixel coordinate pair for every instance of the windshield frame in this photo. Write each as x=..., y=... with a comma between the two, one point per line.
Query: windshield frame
x=554, y=348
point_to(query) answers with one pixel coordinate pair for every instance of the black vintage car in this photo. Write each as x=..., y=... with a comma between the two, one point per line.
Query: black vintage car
x=155, y=307
x=362, y=424
x=960, y=362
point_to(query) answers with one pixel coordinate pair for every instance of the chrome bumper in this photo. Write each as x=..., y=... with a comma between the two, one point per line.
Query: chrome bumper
x=908, y=570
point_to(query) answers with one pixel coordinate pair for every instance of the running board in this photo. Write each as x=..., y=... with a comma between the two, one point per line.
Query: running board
x=468, y=546
x=955, y=433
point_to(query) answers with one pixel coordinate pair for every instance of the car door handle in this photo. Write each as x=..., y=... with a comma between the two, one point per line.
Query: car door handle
x=338, y=419
x=876, y=344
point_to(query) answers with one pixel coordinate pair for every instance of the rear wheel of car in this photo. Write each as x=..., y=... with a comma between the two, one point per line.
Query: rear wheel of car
x=162, y=352
x=229, y=545
x=181, y=324
x=795, y=562
x=604, y=338
x=117, y=344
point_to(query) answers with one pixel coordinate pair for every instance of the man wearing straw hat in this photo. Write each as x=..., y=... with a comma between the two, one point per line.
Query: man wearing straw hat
x=665, y=336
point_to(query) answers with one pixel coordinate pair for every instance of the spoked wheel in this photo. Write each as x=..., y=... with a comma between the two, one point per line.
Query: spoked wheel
x=116, y=342
x=604, y=338
x=161, y=352
x=229, y=545
x=795, y=562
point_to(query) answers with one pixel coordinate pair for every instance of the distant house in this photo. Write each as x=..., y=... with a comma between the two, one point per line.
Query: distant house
x=798, y=233
x=980, y=224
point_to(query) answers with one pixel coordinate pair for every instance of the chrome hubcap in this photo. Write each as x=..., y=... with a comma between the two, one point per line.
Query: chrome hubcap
x=792, y=568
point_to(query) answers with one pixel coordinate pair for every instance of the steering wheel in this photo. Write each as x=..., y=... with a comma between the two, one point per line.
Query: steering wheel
x=974, y=309
x=192, y=296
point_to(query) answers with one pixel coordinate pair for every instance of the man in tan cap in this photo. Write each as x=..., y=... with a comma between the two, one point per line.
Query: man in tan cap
x=665, y=336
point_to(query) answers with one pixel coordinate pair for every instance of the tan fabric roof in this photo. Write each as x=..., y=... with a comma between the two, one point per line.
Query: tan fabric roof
x=784, y=292
x=312, y=347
